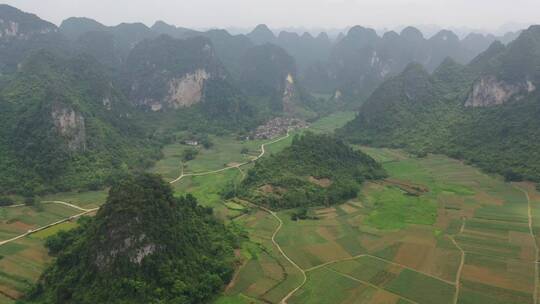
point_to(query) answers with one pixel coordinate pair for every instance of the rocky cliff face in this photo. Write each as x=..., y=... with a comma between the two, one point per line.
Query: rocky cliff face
x=179, y=91
x=123, y=244
x=17, y=24
x=167, y=73
x=188, y=90
x=490, y=91
x=9, y=28
x=289, y=95
x=70, y=125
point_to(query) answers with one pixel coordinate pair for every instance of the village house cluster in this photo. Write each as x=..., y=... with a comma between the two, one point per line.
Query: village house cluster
x=278, y=126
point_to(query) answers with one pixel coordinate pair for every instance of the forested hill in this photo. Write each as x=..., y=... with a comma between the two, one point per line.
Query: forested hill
x=143, y=246
x=486, y=112
x=314, y=170
x=64, y=125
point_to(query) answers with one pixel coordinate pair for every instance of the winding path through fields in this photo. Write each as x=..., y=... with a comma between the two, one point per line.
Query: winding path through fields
x=461, y=263
x=87, y=211
x=531, y=231
x=304, y=280
x=305, y=271
x=263, y=151
x=31, y=231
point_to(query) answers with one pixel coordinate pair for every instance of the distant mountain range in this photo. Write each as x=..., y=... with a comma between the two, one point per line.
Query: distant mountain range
x=323, y=64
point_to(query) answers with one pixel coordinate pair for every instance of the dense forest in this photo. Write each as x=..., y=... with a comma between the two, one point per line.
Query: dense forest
x=314, y=170
x=64, y=126
x=143, y=246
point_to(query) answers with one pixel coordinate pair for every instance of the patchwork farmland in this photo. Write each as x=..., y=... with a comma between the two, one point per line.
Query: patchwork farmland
x=465, y=240
x=437, y=231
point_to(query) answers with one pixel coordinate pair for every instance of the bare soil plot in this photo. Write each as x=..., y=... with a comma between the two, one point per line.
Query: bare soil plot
x=346, y=208
x=383, y=297
x=502, y=273
x=421, y=288
x=439, y=262
x=323, y=182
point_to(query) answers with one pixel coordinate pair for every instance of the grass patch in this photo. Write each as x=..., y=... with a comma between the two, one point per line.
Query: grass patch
x=332, y=122
x=236, y=299
x=393, y=209
x=234, y=206
x=364, y=268
x=474, y=292
x=326, y=286
x=87, y=199
x=421, y=288
x=43, y=234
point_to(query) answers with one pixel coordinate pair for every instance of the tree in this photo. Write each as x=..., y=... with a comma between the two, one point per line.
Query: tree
x=512, y=176
x=207, y=143
x=30, y=201
x=6, y=201
x=189, y=154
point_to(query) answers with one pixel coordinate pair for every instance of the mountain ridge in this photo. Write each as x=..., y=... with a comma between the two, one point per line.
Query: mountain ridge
x=483, y=113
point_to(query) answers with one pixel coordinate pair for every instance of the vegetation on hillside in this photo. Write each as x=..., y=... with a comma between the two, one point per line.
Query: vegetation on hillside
x=64, y=126
x=143, y=246
x=315, y=170
x=425, y=113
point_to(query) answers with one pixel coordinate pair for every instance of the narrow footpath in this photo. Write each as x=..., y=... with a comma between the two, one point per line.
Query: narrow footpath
x=32, y=231
x=263, y=151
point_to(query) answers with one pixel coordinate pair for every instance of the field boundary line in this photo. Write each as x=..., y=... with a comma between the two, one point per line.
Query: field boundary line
x=369, y=284
x=241, y=172
x=65, y=204
x=49, y=202
x=380, y=259
x=335, y=262
x=14, y=206
x=531, y=230
x=263, y=151
x=411, y=269
x=290, y=294
x=461, y=264
x=32, y=231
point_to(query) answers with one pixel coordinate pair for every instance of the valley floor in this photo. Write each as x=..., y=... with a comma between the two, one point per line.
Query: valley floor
x=480, y=248
x=437, y=231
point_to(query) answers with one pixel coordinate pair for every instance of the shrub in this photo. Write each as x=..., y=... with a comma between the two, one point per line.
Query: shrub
x=189, y=154
x=6, y=201
x=30, y=201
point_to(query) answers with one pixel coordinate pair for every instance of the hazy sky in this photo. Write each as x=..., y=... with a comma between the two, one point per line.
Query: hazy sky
x=481, y=14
